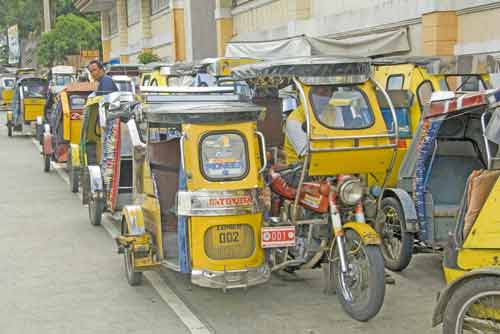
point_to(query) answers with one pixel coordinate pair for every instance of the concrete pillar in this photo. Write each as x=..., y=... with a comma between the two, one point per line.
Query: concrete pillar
x=146, y=25
x=299, y=9
x=121, y=11
x=105, y=38
x=46, y=16
x=223, y=24
x=439, y=33
x=178, y=31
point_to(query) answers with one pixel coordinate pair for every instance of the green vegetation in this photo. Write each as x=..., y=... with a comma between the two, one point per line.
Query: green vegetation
x=147, y=57
x=70, y=35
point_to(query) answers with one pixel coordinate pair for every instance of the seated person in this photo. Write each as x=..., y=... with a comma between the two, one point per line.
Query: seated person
x=295, y=128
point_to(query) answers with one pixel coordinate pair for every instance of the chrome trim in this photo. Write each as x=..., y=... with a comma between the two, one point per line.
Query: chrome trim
x=239, y=278
x=263, y=147
x=486, y=141
x=396, y=131
x=181, y=143
x=352, y=148
x=387, y=135
x=235, y=202
x=335, y=80
x=307, y=157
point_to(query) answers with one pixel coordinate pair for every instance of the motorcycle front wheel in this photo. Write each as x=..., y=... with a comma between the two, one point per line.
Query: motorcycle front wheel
x=361, y=290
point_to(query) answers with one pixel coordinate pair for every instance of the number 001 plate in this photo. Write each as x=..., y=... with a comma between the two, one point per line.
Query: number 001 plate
x=280, y=236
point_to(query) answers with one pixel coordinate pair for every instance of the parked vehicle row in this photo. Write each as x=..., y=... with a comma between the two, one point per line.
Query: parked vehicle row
x=380, y=159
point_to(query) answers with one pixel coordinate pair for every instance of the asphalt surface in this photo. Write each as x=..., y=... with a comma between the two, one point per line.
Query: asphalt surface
x=62, y=275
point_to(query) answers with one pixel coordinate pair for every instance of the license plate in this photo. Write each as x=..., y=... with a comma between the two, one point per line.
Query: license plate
x=280, y=236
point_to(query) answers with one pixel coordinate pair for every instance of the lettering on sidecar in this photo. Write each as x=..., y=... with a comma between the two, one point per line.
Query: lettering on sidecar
x=216, y=203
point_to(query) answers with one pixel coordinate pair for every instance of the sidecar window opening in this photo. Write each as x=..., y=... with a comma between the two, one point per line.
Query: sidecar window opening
x=224, y=156
x=344, y=108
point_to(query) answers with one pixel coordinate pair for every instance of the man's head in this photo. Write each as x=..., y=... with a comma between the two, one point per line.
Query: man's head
x=96, y=69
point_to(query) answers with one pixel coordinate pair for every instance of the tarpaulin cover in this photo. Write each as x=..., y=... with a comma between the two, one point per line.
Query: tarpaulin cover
x=375, y=44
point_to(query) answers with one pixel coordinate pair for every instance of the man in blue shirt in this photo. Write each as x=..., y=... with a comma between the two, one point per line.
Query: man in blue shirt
x=106, y=84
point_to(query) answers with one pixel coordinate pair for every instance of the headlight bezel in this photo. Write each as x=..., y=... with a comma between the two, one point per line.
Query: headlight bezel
x=351, y=191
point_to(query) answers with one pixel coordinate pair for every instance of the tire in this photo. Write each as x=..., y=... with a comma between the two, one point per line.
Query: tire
x=463, y=297
x=9, y=129
x=74, y=176
x=134, y=278
x=393, y=235
x=46, y=163
x=361, y=310
x=96, y=209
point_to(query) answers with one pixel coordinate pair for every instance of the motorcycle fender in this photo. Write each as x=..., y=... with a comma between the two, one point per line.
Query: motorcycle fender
x=9, y=116
x=368, y=235
x=47, y=144
x=447, y=293
x=133, y=217
x=75, y=155
x=408, y=206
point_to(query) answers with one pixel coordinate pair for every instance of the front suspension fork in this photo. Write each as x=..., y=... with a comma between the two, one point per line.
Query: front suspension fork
x=339, y=231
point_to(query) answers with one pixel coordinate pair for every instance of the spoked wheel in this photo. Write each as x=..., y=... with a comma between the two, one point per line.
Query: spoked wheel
x=134, y=278
x=397, y=245
x=361, y=290
x=474, y=308
x=96, y=209
x=74, y=177
x=46, y=163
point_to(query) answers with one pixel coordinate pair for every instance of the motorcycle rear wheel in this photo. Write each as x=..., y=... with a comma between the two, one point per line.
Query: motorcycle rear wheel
x=361, y=290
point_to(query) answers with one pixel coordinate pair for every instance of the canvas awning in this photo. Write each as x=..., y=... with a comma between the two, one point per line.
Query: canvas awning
x=376, y=44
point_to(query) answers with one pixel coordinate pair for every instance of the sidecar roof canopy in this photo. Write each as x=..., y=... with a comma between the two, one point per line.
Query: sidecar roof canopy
x=63, y=69
x=202, y=109
x=447, y=65
x=310, y=70
x=449, y=102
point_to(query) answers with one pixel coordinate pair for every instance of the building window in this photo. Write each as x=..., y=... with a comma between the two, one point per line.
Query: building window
x=113, y=21
x=158, y=5
x=133, y=12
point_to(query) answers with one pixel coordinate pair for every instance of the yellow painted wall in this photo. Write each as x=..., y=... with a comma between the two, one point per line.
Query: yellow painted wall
x=272, y=15
x=439, y=33
x=106, y=49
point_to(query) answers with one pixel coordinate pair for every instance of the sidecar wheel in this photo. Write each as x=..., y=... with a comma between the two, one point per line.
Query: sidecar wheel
x=397, y=244
x=134, y=278
x=361, y=290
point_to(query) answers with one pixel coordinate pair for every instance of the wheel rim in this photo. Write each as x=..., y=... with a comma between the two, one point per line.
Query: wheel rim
x=468, y=320
x=391, y=234
x=354, y=284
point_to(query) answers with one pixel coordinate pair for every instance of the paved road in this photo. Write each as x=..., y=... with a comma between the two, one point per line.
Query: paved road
x=61, y=275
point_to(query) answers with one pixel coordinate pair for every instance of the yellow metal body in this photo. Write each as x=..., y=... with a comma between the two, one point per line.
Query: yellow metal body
x=7, y=96
x=350, y=160
x=93, y=130
x=478, y=256
x=71, y=127
x=75, y=155
x=413, y=77
x=10, y=116
x=138, y=240
x=199, y=225
x=33, y=108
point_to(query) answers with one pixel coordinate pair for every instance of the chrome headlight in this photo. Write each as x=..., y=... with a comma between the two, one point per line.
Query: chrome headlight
x=351, y=191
